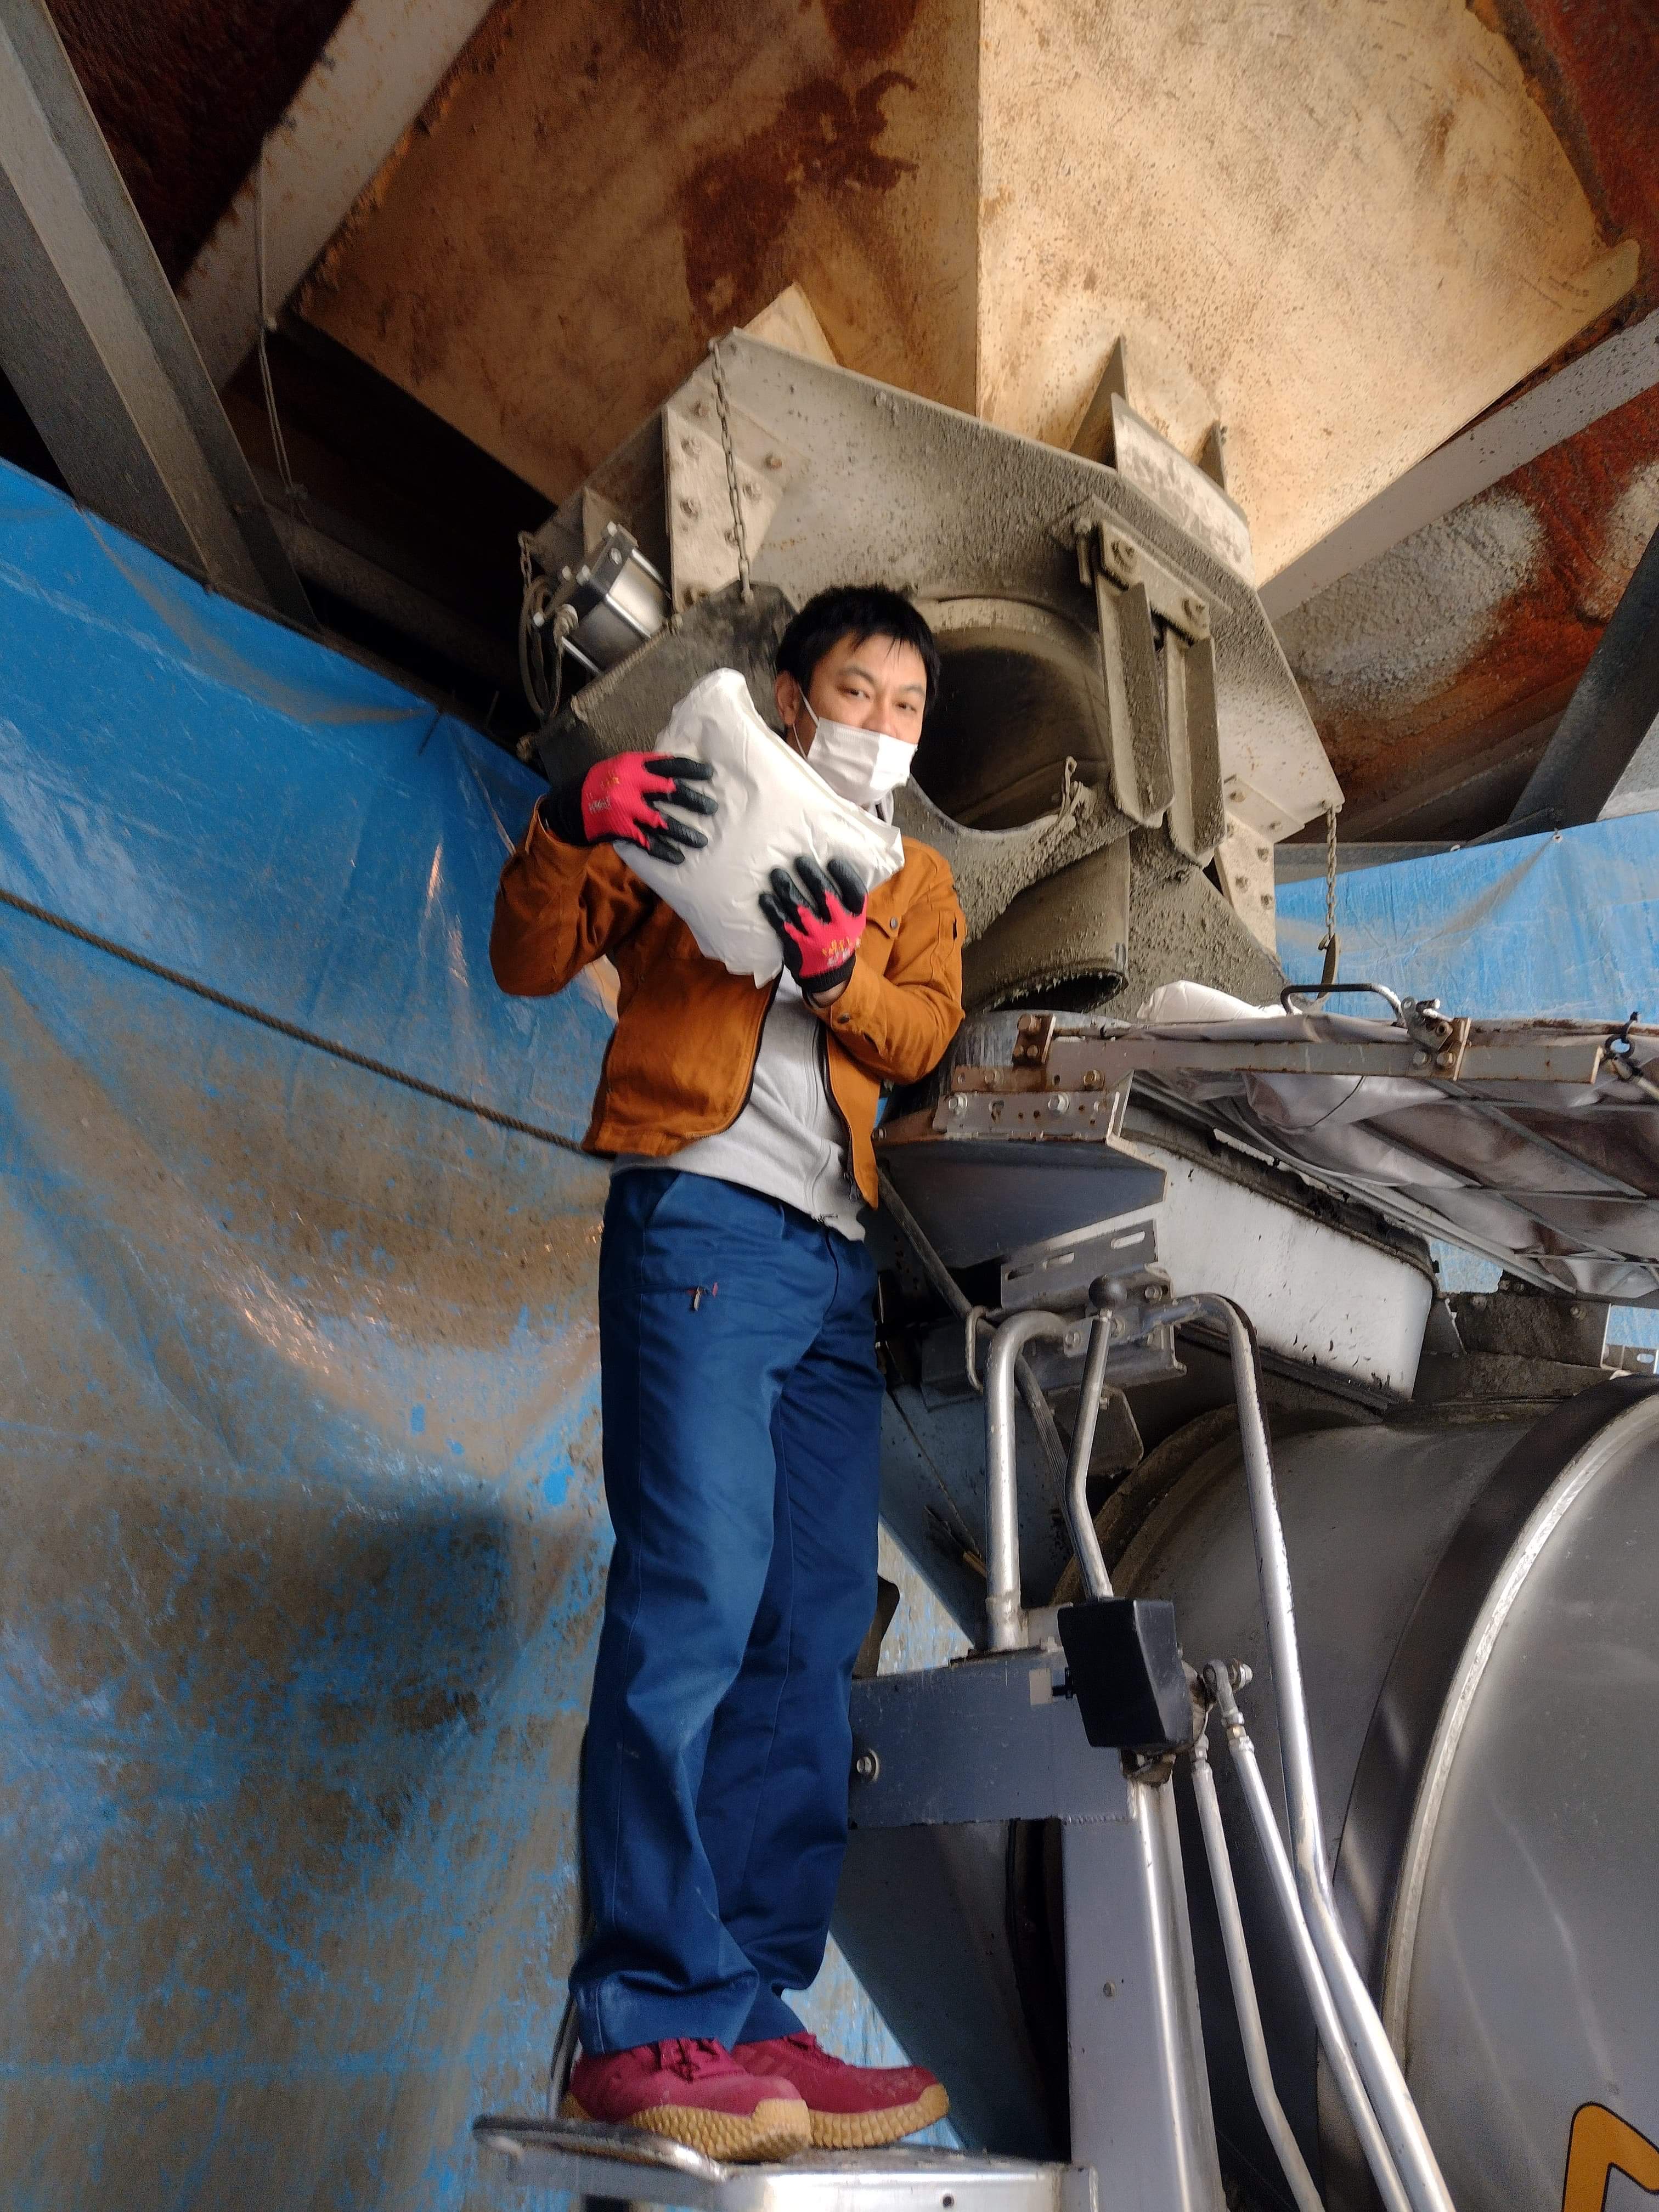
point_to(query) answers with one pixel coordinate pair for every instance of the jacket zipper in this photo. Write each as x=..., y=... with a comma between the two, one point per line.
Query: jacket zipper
x=848, y=1176
x=760, y=1036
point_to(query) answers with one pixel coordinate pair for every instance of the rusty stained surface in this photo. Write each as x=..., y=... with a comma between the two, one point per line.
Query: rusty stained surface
x=1595, y=72
x=596, y=192
x=1451, y=655
x=1438, y=669
x=185, y=90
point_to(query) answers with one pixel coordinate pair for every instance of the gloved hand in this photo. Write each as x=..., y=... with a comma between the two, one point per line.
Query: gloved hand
x=820, y=937
x=618, y=798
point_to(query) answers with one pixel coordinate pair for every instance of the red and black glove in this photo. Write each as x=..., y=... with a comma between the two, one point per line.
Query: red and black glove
x=821, y=937
x=618, y=798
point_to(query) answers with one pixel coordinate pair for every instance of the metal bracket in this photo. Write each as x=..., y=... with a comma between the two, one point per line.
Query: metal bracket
x=1441, y=1041
x=973, y=1113
x=1032, y=1038
x=702, y=541
x=1165, y=749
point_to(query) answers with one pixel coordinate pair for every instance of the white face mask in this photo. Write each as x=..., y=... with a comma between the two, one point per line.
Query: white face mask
x=862, y=765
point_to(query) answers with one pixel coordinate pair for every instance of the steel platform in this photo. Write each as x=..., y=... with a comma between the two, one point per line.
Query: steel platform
x=588, y=2158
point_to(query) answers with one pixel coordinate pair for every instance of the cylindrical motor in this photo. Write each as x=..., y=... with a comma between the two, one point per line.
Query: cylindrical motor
x=1480, y=1636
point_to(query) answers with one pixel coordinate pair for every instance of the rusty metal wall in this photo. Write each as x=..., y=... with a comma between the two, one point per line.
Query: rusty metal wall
x=302, y=1544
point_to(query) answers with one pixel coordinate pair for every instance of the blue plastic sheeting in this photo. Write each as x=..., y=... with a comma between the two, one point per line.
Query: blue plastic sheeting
x=302, y=1537
x=1563, y=925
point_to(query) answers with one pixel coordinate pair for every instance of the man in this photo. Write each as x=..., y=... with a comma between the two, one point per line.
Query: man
x=741, y=1398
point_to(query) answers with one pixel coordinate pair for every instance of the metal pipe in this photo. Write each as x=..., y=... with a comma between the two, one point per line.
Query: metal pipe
x=1004, y=1616
x=1031, y=1390
x=1286, y=2148
x=1408, y=2143
x=1085, y=1542
x=1332, y=2035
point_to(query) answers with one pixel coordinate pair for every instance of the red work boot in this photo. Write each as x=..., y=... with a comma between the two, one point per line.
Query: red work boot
x=851, y=2107
x=694, y=2092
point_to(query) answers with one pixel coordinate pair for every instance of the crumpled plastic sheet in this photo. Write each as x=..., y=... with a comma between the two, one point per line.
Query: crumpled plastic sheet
x=1563, y=925
x=303, y=1538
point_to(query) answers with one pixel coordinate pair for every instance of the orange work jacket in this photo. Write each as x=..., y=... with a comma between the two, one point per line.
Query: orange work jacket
x=688, y=1033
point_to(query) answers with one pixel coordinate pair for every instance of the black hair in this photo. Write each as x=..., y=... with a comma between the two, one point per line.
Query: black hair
x=858, y=612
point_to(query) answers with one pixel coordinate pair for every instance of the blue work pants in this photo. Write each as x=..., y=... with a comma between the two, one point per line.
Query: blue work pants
x=742, y=1410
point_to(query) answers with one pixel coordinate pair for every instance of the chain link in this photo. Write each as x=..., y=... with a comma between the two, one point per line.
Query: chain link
x=745, y=589
x=1330, y=944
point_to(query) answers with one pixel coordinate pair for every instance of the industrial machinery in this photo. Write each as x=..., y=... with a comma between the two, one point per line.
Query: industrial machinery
x=1284, y=1837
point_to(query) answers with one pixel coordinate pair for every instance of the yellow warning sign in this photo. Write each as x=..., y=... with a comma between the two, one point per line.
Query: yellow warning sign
x=1600, y=2143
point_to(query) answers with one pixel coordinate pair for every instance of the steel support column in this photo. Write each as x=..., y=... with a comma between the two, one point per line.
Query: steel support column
x=1614, y=707
x=94, y=343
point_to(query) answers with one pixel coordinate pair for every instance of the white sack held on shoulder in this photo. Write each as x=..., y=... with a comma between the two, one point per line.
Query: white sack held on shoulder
x=773, y=807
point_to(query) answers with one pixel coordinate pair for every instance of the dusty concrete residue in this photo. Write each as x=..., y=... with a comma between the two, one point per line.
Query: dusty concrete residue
x=1397, y=739
x=1634, y=519
x=1388, y=637
x=1181, y=928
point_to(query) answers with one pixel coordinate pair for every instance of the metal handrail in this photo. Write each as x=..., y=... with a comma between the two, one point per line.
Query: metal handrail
x=1004, y=1617
x=1291, y=996
x=1332, y=2034
x=1407, y=2141
x=1252, y=2034
x=1085, y=1542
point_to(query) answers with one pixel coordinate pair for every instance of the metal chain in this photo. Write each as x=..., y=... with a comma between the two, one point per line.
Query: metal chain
x=745, y=589
x=1330, y=944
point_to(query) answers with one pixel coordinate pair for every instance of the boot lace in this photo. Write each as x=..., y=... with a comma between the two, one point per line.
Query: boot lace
x=691, y=2056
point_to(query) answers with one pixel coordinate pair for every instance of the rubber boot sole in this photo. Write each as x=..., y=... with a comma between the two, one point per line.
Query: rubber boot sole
x=866, y=2130
x=774, y=2130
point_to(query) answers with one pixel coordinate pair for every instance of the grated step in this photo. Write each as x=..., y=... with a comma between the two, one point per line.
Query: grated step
x=588, y=2159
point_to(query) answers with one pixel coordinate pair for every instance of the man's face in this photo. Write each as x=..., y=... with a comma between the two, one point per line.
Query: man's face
x=871, y=684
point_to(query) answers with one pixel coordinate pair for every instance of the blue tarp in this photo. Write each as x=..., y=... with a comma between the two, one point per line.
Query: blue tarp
x=302, y=1538
x=1564, y=925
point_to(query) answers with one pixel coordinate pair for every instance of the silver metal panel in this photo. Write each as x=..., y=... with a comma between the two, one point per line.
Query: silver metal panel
x=624, y=2163
x=985, y=1740
x=96, y=343
x=978, y=1198
x=1532, y=1987
x=966, y=2017
x=1141, y=2097
x=1316, y=1296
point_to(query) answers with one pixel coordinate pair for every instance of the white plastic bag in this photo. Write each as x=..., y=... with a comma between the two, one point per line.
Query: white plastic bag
x=773, y=808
